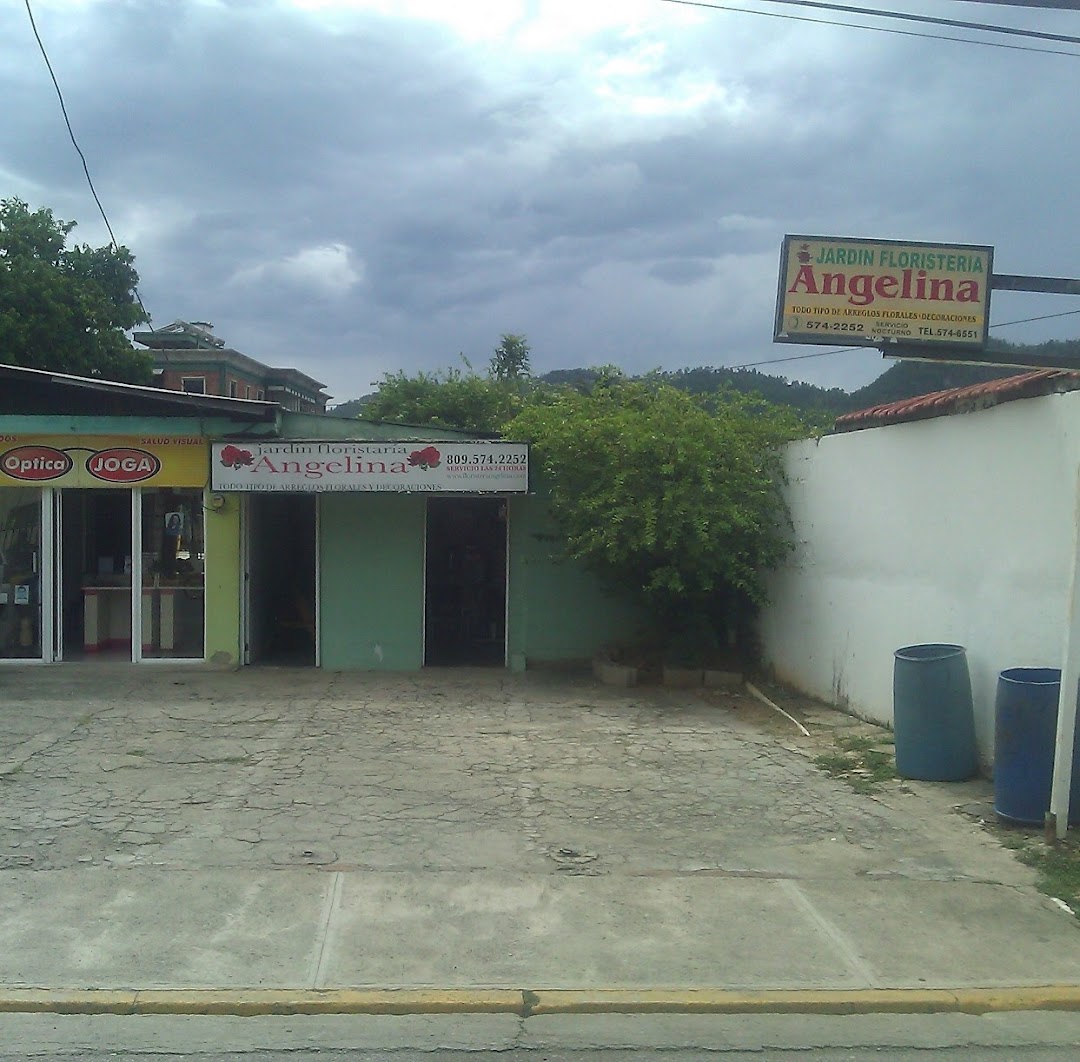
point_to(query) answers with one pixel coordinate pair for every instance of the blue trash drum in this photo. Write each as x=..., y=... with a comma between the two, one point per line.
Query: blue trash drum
x=1025, y=735
x=933, y=719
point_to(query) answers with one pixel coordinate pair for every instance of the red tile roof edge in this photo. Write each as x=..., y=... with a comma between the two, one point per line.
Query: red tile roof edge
x=962, y=399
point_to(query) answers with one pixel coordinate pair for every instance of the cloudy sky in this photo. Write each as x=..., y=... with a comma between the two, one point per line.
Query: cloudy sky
x=360, y=186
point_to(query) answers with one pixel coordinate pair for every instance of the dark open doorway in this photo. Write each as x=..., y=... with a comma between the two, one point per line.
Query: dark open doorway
x=95, y=586
x=281, y=627
x=465, y=602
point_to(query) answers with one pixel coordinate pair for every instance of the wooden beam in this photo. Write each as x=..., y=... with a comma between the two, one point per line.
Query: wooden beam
x=1050, y=285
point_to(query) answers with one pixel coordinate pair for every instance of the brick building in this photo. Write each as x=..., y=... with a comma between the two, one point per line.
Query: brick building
x=189, y=357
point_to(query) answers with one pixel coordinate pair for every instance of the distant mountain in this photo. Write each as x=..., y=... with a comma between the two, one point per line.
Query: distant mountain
x=908, y=379
x=777, y=389
x=352, y=409
x=904, y=379
x=706, y=380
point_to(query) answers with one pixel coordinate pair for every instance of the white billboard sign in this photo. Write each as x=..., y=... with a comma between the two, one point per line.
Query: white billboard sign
x=439, y=467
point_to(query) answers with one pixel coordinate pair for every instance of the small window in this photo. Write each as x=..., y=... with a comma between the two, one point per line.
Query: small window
x=260, y=395
x=194, y=385
x=232, y=388
x=247, y=392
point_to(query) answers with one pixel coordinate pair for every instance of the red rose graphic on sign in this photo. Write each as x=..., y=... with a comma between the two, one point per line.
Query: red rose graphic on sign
x=427, y=458
x=234, y=457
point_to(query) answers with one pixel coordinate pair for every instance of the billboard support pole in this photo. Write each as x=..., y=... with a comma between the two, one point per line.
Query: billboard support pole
x=1057, y=818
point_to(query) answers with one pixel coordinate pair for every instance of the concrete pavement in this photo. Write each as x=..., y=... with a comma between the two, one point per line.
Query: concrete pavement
x=279, y=840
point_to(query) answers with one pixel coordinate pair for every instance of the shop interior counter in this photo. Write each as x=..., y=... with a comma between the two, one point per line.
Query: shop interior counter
x=107, y=615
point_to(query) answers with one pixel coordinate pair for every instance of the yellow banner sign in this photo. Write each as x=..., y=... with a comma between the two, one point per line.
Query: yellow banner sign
x=103, y=461
x=876, y=292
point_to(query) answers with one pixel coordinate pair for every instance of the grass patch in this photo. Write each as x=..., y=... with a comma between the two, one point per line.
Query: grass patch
x=1057, y=867
x=859, y=761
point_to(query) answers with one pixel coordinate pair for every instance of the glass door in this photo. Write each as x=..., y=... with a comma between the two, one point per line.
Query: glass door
x=171, y=568
x=21, y=562
x=94, y=603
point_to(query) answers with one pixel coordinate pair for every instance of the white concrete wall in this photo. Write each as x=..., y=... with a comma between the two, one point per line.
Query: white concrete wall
x=957, y=529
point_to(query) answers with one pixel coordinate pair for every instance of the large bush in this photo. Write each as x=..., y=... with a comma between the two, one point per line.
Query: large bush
x=677, y=502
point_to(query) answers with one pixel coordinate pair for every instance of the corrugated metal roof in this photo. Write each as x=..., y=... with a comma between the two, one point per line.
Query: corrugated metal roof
x=204, y=405
x=962, y=399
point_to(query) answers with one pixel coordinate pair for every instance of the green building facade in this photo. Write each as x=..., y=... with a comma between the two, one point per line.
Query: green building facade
x=144, y=525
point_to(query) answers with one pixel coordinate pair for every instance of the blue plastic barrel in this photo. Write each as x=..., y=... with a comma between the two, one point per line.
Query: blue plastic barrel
x=1025, y=734
x=933, y=721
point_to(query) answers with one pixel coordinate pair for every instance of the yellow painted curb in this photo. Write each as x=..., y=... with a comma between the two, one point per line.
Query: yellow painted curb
x=256, y=1001
x=45, y=1001
x=527, y=1002
x=826, y=1001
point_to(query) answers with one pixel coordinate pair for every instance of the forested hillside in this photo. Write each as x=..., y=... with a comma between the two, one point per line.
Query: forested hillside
x=903, y=379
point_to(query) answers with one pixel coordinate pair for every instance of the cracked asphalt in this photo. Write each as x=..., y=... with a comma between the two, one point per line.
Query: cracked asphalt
x=172, y=828
x=547, y=772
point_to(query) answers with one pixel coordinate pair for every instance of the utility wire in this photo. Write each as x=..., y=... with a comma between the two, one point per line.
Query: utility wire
x=1026, y=320
x=874, y=29
x=793, y=357
x=75, y=144
x=843, y=350
x=929, y=20
x=1045, y=5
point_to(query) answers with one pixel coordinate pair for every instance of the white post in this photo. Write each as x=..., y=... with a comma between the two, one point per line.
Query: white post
x=1058, y=815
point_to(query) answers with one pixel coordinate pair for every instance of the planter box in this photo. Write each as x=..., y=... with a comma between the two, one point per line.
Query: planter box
x=612, y=674
x=683, y=677
x=723, y=680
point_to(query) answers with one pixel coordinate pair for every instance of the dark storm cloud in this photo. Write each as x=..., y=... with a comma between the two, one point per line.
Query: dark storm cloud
x=378, y=193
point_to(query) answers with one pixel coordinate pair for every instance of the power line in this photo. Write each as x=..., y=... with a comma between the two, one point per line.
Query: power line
x=75, y=144
x=793, y=357
x=1045, y=5
x=1026, y=320
x=929, y=20
x=876, y=29
x=843, y=350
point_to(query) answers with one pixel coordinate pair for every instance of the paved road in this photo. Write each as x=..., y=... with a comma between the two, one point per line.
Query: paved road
x=1032, y=1037
x=176, y=829
x=265, y=769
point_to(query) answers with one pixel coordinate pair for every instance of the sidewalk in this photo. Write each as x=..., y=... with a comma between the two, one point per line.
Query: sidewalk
x=279, y=840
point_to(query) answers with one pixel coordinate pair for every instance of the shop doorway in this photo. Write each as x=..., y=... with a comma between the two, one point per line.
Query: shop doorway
x=95, y=571
x=280, y=623
x=105, y=589
x=21, y=564
x=465, y=582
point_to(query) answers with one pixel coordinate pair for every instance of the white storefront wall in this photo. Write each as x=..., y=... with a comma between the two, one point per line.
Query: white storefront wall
x=955, y=529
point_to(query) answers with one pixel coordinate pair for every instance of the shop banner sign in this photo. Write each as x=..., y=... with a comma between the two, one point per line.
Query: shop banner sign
x=103, y=461
x=442, y=467
x=875, y=292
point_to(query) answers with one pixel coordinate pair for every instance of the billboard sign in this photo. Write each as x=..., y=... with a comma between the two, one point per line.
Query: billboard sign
x=875, y=292
x=441, y=467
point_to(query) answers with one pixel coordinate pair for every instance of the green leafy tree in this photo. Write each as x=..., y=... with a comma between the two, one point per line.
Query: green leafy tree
x=511, y=359
x=66, y=308
x=452, y=398
x=674, y=502
x=447, y=398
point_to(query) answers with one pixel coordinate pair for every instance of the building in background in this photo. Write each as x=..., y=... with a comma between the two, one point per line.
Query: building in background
x=189, y=357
